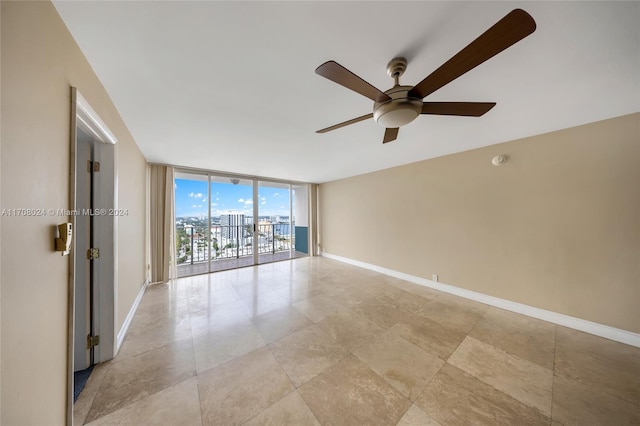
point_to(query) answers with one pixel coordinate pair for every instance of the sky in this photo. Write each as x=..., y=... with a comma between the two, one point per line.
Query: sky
x=192, y=199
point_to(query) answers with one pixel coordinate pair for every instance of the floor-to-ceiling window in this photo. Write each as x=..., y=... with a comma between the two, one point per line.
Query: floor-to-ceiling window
x=274, y=221
x=225, y=222
x=231, y=222
x=192, y=223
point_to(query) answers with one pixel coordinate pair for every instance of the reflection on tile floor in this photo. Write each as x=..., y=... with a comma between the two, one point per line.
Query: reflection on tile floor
x=314, y=341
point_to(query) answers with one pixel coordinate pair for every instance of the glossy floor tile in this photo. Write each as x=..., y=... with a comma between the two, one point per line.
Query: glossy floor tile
x=175, y=405
x=290, y=410
x=609, y=366
x=350, y=393
x=155, y=330
x=82, y=406
x=318, y=307
x=576, y=403
x=218, y=347
x=307, y=353
x=349, y=329
x=522, y=380
x=525, y=337
x=313, y=341
x=417, y=417
x=130, y=379
x=235, y=392
x=454, y=313
x=433, y=337
x=402, y=364
x=456, y=398
x=280, y=323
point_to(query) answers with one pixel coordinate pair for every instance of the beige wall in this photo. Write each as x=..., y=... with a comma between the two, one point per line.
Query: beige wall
x=132, y=183
x=40, y=61
x=0, y=208
x=556, y=227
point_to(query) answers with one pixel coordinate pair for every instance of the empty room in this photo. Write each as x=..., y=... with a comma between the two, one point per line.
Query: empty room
x=319, y=213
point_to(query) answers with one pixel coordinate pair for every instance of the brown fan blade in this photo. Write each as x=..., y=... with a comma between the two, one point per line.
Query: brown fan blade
x=468, y=109
x=390, y=134
x=339, y=74
x=346, y=123
x=515, y=26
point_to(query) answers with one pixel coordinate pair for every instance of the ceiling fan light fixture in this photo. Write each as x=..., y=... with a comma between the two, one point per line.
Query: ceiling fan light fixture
x=397, y=112
x=396, y=117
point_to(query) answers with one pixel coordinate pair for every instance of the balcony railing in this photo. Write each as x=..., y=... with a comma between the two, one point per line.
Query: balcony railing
x=231, y=241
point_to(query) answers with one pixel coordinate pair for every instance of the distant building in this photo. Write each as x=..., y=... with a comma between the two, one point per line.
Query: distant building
x=232, y=226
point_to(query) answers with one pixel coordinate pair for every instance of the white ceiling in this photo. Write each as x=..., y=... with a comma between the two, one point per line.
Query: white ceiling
x=230, y=86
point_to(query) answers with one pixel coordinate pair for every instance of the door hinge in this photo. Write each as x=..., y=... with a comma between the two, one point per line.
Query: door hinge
x=93, y=253
x=92, y=341
x=93, y=166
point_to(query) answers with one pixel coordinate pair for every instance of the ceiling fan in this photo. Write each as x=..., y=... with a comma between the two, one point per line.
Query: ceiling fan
x=400, y=105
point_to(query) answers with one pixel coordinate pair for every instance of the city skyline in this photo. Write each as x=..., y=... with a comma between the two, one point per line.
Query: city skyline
x=192, y=199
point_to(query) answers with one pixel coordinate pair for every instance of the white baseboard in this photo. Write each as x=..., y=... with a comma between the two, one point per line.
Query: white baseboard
x=597, y=329
x=125, y=327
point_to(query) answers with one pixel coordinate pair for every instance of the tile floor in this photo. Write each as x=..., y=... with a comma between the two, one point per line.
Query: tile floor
x=315, y=341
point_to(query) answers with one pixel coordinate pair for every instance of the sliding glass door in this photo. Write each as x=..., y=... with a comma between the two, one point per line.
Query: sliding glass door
x=274, y=222
x=231, y=223
x=192, y=223
x=225, y=222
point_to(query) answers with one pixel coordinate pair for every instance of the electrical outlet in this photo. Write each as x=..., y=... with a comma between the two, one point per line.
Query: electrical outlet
x=435, y=277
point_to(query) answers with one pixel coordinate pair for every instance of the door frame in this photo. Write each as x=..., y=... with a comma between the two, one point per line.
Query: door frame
x=82, y=115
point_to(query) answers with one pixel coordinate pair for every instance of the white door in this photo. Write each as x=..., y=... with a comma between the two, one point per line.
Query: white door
x=83, y=291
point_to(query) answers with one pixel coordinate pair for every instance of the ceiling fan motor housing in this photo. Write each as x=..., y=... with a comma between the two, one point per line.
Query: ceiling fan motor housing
x=400, y=110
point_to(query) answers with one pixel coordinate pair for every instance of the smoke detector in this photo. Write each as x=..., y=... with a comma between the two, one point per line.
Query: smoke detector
x=499, y=160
